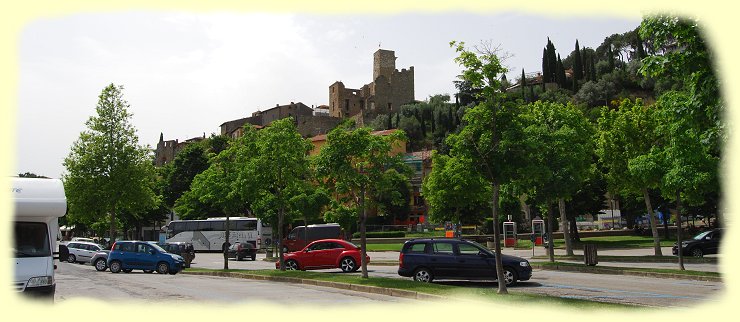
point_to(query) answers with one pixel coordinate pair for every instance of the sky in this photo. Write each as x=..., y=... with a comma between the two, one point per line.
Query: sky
x=184, y=74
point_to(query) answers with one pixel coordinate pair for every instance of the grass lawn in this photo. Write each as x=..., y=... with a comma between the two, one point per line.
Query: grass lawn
x=432, y=288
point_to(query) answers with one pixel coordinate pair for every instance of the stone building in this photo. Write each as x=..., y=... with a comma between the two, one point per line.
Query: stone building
x=308, y=122
x=389, y=89
x=166, y=150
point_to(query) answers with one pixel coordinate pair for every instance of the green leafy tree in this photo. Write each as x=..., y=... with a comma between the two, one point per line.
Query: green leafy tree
x=492, y=135
x=352, y=165
x=278, y=169
x=560, y=148
x=189, y=162
x=453, y=189
x=625, y=145
x=107, y=171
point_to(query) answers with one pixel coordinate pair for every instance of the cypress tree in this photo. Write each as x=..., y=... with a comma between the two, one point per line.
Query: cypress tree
x=450, y=119
x=561, y=73
x=611, y=58
x=577, y=65
x=552, y=62
x=389, y=124
x=398, y=120
x=432, y=118
x=593, y=69
x=524, y=83
x=544, y=67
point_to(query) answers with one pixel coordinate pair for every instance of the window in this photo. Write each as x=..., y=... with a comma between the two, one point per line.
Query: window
x=417, y=248
x=31, y=240
x=142, y=248
x=443, y=248
x=467, y=249
x=246, y=224
x=124, y=247
x=346, y=104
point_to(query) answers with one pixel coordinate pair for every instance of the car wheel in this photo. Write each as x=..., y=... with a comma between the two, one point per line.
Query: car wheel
x=127, y=270
x=697, y=252
x=115, y=267
x=347, y=264
x=163, y=268
x=254, y=257
x=509, y=276
x=100, y=264
x=238, y=258
x=291, y=265
x=423, y=275
x=148, y=271
x=71, y=258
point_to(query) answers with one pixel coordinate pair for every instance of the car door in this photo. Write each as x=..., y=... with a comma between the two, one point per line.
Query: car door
x=146, y=256
x=125, y=252
x=443, y=261
x=311, y=257
x=330, y=256
x=86, y=252
x=474, y=263
x=712, y=242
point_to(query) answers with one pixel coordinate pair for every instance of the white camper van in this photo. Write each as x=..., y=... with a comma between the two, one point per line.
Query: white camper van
x=38, y=205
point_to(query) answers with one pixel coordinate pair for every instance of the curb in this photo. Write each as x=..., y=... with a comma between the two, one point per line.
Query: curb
x=345, y=286
x=616, y=271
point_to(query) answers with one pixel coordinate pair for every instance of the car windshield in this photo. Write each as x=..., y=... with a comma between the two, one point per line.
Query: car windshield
x=31, y=240
x=701, y=235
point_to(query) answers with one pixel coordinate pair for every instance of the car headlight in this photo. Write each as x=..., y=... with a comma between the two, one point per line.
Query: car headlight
x=524, y=264
x=40, y=281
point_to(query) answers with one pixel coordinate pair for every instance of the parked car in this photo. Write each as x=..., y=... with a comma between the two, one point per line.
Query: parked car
x=127, y=256
x=241, y=250
x=183, y=249
x=82, y=251
x=450, y=258
x=100, y=260
x=705, y=243
x=300, y=236
x=325, y=253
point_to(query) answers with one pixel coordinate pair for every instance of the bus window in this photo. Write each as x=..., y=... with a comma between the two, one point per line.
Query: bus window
x=191, y=226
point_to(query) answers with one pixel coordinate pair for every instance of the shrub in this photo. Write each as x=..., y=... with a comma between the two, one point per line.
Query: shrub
x=381, y=234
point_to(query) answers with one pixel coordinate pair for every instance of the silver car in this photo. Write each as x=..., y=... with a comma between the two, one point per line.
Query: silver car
x=100, y=260
x=82, y=252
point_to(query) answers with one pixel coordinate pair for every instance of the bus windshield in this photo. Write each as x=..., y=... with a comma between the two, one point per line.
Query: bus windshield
x=31, y=240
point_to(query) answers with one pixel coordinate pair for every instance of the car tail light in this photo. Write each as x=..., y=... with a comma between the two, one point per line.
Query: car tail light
x=400, y=260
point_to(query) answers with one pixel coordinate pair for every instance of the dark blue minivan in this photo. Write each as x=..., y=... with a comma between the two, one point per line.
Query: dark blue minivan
x=127, y=256
x=450, y=258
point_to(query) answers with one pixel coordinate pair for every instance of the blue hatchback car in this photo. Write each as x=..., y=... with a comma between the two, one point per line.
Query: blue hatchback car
x=127, y=256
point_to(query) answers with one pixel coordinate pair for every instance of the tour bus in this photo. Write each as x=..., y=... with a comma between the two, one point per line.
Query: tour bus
x=209, y=234
x=38, y=205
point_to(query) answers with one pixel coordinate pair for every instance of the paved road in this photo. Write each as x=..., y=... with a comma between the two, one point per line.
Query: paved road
x=83, y=281
x=635, y=290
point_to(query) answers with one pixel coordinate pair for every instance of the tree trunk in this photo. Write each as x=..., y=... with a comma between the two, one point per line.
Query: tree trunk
x=653, y=223
x=363, y=240
x=574, y=231
x=678, y=230
x=564, y=227
x=550, y=239
x=281, y=218
x=225, y=246
x=497, y=240
x=112, y=230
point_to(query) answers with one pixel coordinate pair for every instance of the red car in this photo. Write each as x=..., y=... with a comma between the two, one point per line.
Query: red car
x=325, y=253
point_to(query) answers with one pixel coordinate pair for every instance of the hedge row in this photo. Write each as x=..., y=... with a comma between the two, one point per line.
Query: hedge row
x=382, y=234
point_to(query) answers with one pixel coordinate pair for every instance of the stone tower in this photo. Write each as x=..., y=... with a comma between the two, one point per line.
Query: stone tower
x=384, y=63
